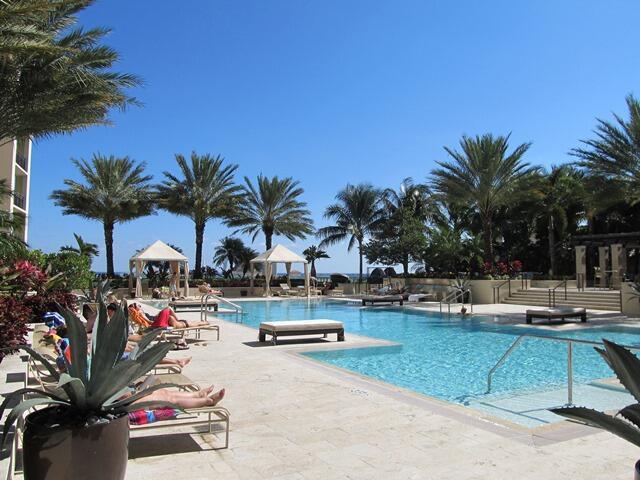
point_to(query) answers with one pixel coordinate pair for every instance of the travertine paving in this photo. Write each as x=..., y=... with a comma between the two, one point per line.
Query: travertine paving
x=294, y=419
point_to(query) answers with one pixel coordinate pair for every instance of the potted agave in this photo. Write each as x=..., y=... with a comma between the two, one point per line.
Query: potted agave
x=83, y=430
x=626, y=423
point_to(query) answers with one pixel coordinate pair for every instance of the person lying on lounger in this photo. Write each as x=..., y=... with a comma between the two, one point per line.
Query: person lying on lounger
x=168, y=318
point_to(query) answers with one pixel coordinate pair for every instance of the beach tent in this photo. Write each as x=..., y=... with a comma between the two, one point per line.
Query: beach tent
x=275, y=255
x=159, y=252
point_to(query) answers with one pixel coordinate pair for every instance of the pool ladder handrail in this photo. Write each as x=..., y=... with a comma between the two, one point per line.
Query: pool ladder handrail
x=453, y=296
x=204, y=305
x=568, y=341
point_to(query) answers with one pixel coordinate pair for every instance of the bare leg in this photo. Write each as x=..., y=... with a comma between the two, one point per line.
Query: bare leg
x=183, y=399
x=181, y=362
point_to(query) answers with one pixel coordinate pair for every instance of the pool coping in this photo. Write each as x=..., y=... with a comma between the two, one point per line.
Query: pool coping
x=560, y=431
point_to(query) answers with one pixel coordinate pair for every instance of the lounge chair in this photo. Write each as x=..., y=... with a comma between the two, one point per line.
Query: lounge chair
x=300, y=327
x=557, y=312
x=285, y=290
x=336, y=292
x=390, y=299
x=195, y=416
x=183, y=333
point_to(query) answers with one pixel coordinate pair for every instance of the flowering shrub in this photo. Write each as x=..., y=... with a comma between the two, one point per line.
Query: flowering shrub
x=26, y=293
x=502, y=268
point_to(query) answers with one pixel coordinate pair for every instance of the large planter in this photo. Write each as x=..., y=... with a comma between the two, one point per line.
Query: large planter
x=98, y=452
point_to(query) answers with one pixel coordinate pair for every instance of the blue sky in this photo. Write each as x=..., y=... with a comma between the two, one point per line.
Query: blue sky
x=337, y=91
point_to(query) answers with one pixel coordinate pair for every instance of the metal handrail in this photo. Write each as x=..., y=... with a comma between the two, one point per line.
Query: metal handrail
x=204, y=305
x=568, y=341
x=552, y=292
x=454, y=295
x=496, y=289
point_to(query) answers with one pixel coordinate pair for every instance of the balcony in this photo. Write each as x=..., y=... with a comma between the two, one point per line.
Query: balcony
x=19, y=201
x=22, y=161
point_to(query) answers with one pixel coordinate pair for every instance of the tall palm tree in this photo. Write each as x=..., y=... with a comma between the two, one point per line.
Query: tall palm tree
x=356, y=215
x=272, y=207
x=246, y=255
x=54, y=76
x=229, y=252
x=484, y=176
x=554, y=193
x=205, y=190
x=115, y=190
x=312, y=254
x=85, y=249
x=615, y=152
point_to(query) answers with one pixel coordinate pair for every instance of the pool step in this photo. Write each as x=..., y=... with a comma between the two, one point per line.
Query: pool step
x=597, y=300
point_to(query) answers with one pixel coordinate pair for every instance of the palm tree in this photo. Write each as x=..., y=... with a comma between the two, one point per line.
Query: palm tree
x=356, y=214
x=615, y=152
x=85, y=249
x=54, y=76
x=115, y=190
x=312, y=254
x=484, y=176
x=229, y=252
x=246, y=255
x=554, y=193
x=205, y=190
x=272, y=207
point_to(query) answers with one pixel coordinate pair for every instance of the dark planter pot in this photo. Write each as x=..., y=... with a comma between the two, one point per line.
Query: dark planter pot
x=636, y=475
x=98, y=452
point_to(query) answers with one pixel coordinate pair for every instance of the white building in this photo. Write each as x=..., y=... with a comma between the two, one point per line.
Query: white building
x=15, y=165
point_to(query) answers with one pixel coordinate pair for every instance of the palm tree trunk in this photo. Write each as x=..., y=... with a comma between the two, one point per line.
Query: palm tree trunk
x=199, y=241
x=552, y=253
x=108, y=243
x=313, y=268
x=268, y=235
x=361, y=254
x=488, y=241
x=405, y=264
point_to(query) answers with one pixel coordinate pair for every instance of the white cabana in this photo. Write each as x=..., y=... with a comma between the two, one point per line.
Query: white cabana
x=159, y=252
x=279, y=254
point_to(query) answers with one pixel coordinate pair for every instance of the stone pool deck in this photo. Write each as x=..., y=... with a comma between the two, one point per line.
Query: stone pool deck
x=295, y=419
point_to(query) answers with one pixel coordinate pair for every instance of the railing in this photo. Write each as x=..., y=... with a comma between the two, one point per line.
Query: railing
x=496, y=290
x=22, y=161
x=19, y=201
x=453, y=296
x=204, y=305
x=568, y=341
x=552, y=292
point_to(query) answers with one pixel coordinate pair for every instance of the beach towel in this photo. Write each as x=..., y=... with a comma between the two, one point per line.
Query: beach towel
x=142, y=417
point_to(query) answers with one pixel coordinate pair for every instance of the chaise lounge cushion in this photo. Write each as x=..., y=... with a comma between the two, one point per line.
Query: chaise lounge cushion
x=300, y=325
x=556, y=311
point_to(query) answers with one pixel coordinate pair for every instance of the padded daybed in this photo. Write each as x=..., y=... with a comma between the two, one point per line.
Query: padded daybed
x=557, y=312
x=300, y=327
x=195, y=304
x=391, y=299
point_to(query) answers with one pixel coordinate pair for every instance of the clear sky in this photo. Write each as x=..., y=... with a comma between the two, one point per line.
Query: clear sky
x=338, y=91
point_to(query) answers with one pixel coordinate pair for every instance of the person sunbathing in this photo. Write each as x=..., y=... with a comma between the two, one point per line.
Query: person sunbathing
x=201, y=398
x=168, y=318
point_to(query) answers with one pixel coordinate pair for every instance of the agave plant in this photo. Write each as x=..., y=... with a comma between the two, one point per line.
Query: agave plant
x=626, y=423
x=102, y=388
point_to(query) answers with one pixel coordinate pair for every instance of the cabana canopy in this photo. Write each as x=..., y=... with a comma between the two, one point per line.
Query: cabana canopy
x=159, y=251
x=279, y=254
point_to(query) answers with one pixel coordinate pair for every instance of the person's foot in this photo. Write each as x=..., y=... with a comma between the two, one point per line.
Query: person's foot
x=183, y=362
x=205, y=392
x=216, y=397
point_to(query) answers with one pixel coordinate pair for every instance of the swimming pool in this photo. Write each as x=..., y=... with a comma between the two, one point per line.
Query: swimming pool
x=448, y=357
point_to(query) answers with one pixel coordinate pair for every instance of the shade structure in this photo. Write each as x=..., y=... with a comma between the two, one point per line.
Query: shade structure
x=275, y=255
x=159, y=251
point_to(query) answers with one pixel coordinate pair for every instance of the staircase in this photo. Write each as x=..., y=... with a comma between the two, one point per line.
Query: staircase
x=592, y=299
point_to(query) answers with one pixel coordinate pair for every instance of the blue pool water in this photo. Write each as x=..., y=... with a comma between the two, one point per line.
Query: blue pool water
x=448, y=357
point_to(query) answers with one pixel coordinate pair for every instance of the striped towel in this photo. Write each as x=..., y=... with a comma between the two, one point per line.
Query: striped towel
x=142, y=417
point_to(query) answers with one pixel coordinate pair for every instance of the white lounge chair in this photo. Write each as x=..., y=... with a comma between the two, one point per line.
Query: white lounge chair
x=557, y=312
x=300, y=327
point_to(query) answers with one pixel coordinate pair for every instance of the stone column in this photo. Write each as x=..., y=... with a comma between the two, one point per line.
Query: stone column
x=604, y=261
x=618, y=263
x=581, y=264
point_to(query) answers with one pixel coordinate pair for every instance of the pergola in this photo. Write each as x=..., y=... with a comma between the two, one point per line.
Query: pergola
x=275, y=255
x=159, y=251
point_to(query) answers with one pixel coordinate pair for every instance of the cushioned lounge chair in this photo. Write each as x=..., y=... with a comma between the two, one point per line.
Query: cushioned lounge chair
x=300, y=327
x=390, y=299
x=557, y=312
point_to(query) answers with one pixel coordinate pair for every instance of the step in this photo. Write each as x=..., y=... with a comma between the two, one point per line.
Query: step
x=615, y=300
x=594, y=306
